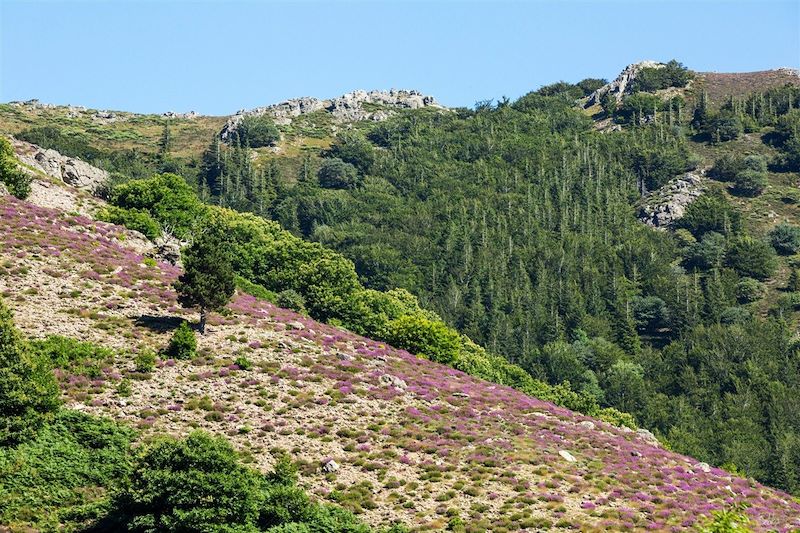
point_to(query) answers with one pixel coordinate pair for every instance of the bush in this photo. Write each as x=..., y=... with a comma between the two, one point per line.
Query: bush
x=336, y=174
x=749, y=290
x=167, y=198
x=144, y=361
x=590, y=85
x=707, y=253
x=133, y=219
x=65, y=474
x=28, y=390
x=194, y=484
x=751, y=257
x=750, y=182
x=256, y=132
x=672, y=74
x=17, y=181
x=735, y=315
x=420, y=335
x=725, y=126
x=785, y=238
x=291, y=299
x=711, y=212
x=353, y=148
x=726, y=168
x=183, y=344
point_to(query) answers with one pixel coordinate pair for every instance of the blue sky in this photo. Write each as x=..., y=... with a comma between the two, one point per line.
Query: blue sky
x=217, y=57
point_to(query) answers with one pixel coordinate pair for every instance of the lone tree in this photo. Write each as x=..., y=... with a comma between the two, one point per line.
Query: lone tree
x=207, y=281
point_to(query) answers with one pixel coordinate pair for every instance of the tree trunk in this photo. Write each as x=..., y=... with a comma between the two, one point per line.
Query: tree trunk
x=202, y=320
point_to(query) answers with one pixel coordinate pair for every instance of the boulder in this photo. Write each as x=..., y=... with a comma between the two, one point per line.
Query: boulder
x=70, y=170
x=393, y=381
x=168, y=249
x=330, y=466
x=663, y=207
x=567, y=456
x=622, y=84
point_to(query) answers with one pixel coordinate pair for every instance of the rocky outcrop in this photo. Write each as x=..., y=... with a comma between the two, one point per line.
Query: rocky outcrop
x=661, y=208
x=70, y=170
x=349, y=107
x=622, y=85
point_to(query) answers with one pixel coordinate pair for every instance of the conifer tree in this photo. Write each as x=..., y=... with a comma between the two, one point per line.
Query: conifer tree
x=208, y=280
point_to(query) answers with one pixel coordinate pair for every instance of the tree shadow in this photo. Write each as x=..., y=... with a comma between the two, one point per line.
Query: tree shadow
x=159, y=324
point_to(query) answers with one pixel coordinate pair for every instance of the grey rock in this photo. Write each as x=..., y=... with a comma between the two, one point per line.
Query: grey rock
x=346, y=108
x=705, y=467
x=3, y=189
x=622, y=84
x=330, y=467
x=296, y=325
x=70, y=170
x=663, y=207
x=168, y=249
x=567, y=456
x=393, y=381
x=587, y=424
x=647, y=436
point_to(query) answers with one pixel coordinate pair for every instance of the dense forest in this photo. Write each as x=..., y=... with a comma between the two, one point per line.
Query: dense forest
x=515, y=223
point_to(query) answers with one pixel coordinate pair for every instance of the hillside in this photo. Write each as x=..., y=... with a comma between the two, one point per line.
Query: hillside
x=448, y=318
x=412, y=438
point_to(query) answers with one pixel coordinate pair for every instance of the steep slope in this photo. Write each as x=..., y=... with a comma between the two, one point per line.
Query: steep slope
x=409, y=438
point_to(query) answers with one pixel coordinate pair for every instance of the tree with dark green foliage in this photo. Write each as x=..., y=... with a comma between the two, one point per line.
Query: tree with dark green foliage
x=590, y=85
x=336, y=174
x=167, y=198
x=670, y=74
x=28, y=389
x=785, y=238
x=257, y=131
x=208, y=280
x=183, y=344
x=17, y=181
x=793, y=285
x=194, y=484
x=711, y=212
x=165, y=144
x=751, y=257
x=724, y=126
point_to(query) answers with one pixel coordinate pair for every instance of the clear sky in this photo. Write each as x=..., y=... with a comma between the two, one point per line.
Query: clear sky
x=218, y=57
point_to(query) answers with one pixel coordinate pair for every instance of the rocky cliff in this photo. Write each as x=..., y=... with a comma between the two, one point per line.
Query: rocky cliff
x=349, y=107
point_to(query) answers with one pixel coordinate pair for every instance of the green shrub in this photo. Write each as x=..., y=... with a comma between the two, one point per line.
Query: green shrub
x=671, y=74
x=420, y=335
x=749, y=290
x=167, y=198
x=183, y=344
x=751, y=257
x=711, y=212
x=257, y=131
x=724, y=126
x=134, y=219
x=336, y=174
x=28, y=390
x=145, y=361
x=65, y=475
x=750, y=182
x=17, y=181
x=291, y=299
x=785, y=238
x=243, y=362
x=193, y=484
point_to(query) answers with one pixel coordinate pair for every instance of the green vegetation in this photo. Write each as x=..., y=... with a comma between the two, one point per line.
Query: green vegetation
x=208, y=280
x=672, y=74
x=257, y=131
x=17, y=181
x=28, y=391
x=183, y=344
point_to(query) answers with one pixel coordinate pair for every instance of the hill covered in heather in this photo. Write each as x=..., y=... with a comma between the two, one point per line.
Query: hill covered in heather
x=557, y=289
x=375, y=429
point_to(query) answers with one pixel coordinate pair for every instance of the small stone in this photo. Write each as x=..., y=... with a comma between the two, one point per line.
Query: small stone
x=461, y=395
x=344, y=356
x=330, y=466
x=566, y=455
x=587, y=424
x=296, y=325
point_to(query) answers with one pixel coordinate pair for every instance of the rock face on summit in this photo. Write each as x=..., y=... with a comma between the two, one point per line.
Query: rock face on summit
x=70, y=170
x=346, y=108
x=621, y=86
